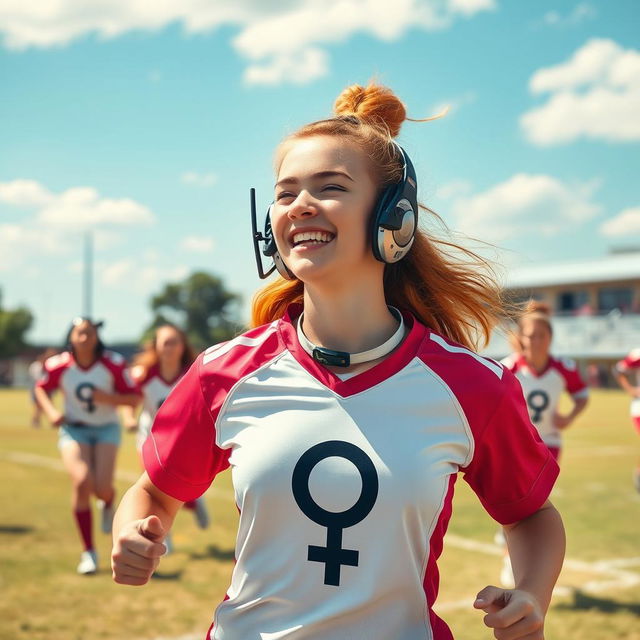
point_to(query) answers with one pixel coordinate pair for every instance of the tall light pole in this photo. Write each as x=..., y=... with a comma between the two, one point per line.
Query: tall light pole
x=87, y=289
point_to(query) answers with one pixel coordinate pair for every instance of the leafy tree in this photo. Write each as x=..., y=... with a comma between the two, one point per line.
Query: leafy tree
x=13, y=325
x=201, y=305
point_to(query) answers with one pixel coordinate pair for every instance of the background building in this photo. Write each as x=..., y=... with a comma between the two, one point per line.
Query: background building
x=596, y=309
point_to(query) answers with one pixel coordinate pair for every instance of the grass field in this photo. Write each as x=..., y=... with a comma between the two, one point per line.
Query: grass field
x=598, y=594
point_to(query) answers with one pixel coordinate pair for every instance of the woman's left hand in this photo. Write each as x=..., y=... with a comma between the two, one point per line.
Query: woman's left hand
x=560, y=421
x=512, y=613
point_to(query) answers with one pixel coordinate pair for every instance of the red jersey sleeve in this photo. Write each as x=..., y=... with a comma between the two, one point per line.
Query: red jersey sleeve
x=632, y=361
x=181, y=455
x=512, y=471
x=52, y=371
x=117, y=365
x=574, y=383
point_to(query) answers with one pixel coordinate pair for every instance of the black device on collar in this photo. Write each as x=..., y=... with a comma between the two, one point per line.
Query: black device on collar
x=331, y=358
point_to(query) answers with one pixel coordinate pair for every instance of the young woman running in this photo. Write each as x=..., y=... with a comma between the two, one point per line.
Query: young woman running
x=156, y=370
x=348, y=411
x=622, y=369
x=544, y=379
x=93, y=382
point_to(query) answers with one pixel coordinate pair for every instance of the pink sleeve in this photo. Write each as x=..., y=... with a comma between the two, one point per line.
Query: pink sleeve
x=117, y=365
x=51, y=374
x=573, y=380
x=632, y=361
x=181, y=455
x=512, y=471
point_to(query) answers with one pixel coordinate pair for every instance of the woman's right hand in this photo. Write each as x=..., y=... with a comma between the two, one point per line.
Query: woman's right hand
x=137, y=551
x=56, y=419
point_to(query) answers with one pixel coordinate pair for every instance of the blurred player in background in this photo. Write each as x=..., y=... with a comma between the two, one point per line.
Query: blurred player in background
x=544, y=379
x=164, y=360
x=35, y=373
x=628, y=365
x=93, y=382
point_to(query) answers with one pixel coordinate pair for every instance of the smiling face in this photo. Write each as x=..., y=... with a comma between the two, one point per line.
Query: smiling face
x=84, y=339
x=324, y=196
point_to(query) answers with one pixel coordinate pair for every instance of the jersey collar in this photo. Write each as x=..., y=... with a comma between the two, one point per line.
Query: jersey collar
x=399, y=359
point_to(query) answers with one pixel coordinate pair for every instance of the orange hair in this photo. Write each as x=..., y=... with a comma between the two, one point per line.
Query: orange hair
x=444, y=285
x=148, y=357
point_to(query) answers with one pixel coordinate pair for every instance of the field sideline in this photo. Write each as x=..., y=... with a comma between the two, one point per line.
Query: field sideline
x=598, y=594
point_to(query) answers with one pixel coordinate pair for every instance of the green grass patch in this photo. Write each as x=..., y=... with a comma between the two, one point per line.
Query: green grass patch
x=44, y=599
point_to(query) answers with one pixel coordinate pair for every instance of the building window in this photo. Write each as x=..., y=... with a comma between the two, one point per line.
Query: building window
x=572, y=301
x=610, y=299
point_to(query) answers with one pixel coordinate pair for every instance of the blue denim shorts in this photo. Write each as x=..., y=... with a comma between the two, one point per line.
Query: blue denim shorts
x=108, y=434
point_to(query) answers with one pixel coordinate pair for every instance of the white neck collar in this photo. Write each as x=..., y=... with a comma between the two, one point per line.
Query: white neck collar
x=354, y=358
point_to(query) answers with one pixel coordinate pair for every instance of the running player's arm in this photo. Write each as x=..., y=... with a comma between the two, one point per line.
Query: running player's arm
x=622, y=368
x=142, y=521
x=129, y=416
x=47, y=384
x=576, y=387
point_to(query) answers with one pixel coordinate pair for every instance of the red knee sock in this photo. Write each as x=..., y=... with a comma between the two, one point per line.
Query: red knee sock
x=191, y=504
x=83, y=520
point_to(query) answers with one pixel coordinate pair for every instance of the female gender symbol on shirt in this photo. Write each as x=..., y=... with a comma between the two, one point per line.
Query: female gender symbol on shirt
x=538, y=401
x=333, y=555
x=84, y=393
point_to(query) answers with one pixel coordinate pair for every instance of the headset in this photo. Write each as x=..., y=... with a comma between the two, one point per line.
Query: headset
x=393, y=223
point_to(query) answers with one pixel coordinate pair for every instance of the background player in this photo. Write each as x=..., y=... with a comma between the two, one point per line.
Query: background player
x=626, y=366
x=544, y=379
x=156, y=370
x=93, y=382
x=346, y=421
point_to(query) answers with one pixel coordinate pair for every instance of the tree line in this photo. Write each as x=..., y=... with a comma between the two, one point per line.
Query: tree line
x=201, y=305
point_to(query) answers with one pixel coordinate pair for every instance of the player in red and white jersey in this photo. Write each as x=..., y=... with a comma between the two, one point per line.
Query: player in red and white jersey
x=348, y=412
x=156, y=370
x=93, y=382
x=626, y=366
x=544, y=378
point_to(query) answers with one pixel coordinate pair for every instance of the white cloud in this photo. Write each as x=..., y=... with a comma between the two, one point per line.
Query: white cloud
x=196, y=179
x=626, y=223
x=596, y=94
x=577, y=15
x=453, y=189
x=77, y=207
x=25, y=193
x=138, y=277
x=447, y=108
x=197, y=244
x=284, y=41
x=525, y=204
x=19, y=243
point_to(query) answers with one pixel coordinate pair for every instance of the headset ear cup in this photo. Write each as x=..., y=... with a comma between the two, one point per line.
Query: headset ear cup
x=271, y=249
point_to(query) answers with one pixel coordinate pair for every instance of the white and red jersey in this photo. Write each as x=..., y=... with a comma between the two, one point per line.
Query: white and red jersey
x=632, y=363
x=345, y=486
x=542, y=391
x=154, y=389
x=108, y=373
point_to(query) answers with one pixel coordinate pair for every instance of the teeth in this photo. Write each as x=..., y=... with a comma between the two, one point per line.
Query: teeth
x=315, y=236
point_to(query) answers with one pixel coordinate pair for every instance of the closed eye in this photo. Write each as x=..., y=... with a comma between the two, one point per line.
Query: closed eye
x=333, y=187
x=284, y=194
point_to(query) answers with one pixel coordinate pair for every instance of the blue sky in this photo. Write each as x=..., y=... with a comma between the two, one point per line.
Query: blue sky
x=148, y=124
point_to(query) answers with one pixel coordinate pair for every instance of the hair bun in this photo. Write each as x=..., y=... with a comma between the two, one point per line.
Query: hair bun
x=374, y=104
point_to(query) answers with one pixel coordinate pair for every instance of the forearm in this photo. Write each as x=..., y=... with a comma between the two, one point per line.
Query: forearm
x=536, y=547
x=44, y=402
x=119, y=399
x=143, y=500
x=579, y=405
x=625, y=384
